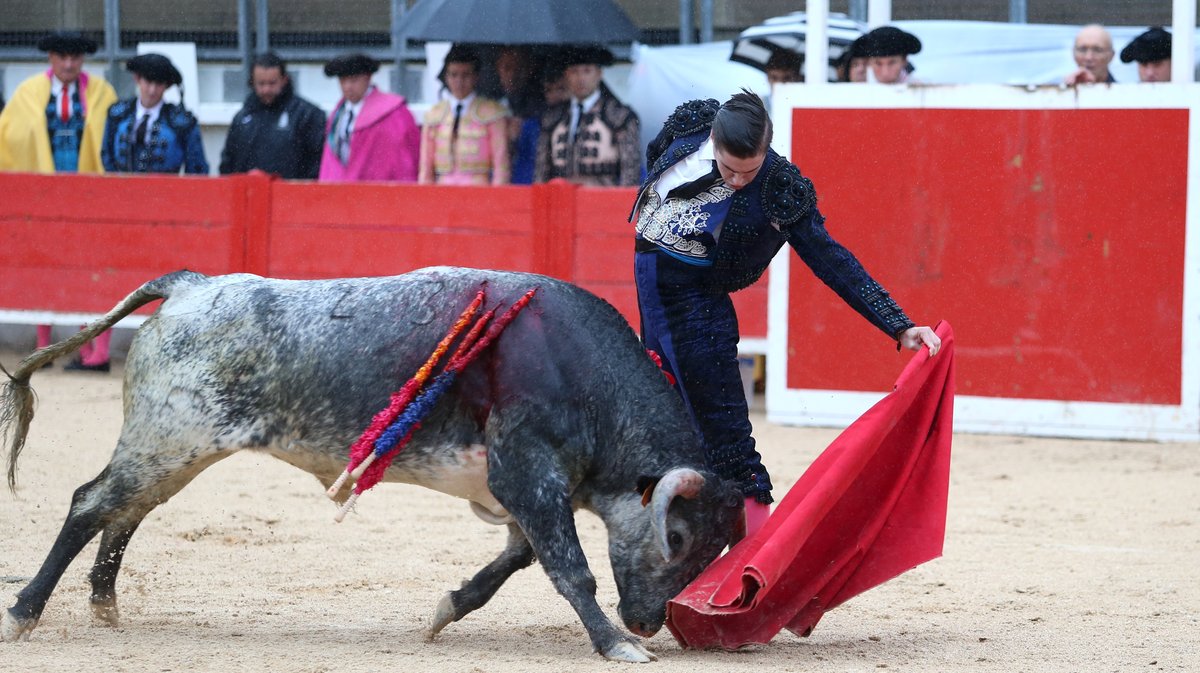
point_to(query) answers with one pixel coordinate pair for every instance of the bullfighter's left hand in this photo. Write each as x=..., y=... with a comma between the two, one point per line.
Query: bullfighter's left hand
x=915, y=337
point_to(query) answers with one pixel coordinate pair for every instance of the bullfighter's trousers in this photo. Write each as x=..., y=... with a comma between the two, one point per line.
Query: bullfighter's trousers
x=695, y=331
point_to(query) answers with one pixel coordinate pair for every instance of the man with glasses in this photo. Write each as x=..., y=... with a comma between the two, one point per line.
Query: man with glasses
x=1093, y=52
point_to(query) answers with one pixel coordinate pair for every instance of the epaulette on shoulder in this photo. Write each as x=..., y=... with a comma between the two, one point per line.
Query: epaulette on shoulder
x=555, y=114
x=616, y=115
x=179, y=117
x=692, y=117
x=489, y=110
x=437, y=113
x=121, y=108
x=787, y=196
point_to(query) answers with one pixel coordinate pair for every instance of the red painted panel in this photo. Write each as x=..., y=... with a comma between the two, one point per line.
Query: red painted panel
x=1053, y=241
x=81, y=243
x=336, y=252
x=751, y=307
x=403, y=207
x=71, y=290
x=329, y=231
x=84, y=244
x=161, y=200
x=604, y=240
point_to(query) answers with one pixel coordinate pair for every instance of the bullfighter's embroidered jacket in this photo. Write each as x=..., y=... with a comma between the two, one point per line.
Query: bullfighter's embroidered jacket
x=779, y=206
x=172, y=141
x=605, y=152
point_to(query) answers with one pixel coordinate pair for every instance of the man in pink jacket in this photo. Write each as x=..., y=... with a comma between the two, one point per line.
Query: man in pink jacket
x=371, y=135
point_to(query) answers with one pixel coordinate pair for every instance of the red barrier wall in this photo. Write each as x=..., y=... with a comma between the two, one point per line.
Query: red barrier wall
x=81, y=243
x=1053, y=241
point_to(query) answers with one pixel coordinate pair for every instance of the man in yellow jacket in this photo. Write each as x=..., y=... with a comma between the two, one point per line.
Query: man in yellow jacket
x=55, y=123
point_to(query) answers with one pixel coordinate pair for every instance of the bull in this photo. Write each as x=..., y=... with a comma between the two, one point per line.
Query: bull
x=564, y=411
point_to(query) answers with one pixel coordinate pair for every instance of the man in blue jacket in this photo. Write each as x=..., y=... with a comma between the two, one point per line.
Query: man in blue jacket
x=145, y=135
x=716, y=206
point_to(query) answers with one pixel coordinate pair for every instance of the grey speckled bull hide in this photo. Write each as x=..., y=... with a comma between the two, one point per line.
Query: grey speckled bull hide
x=566, y=407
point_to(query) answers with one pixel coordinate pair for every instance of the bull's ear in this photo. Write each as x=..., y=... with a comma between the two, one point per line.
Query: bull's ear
x=645, y=486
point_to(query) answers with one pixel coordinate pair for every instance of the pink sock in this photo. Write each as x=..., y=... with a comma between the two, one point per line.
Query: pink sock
x=43, y=336
x=96, y=351
x=756, y=515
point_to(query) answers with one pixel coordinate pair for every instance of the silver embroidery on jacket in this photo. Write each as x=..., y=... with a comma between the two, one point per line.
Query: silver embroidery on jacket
x=666, y=224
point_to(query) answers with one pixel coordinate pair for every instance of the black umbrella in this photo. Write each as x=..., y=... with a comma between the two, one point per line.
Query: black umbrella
x=518, y=22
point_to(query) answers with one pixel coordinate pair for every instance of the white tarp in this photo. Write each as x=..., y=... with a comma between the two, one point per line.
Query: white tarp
x=979, y=52
x=953, y=52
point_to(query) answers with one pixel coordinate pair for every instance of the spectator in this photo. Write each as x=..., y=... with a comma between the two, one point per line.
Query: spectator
x=554, y=87
x=591, y=139
x=275, y=131
x=371, y=135
x=464, y=138
x=521, y=90
x=146, y=135
x=1093, y=52
x=525, y=146
x=851, y=66
x=887, y=49
x=55, y=123
x=1152, y=51
x=696, y=243
x=784, y=67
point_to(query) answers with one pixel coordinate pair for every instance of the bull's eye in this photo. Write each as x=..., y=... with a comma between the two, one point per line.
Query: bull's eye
x=675, y=540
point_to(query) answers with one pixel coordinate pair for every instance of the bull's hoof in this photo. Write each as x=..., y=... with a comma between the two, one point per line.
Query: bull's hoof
x=441, y=617
x=104, y=610
x=13, y=628
x=629, y=651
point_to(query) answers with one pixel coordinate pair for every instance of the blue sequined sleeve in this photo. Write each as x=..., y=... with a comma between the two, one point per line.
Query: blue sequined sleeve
x=838, y=268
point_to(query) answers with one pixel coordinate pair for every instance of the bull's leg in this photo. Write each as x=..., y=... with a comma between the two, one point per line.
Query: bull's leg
x=81, y=526
x=535, y=493
x=477, y=591
x=104, y=572
x=116, y=501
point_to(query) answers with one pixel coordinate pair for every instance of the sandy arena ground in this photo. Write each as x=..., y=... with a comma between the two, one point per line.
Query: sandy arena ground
x=1060, y=556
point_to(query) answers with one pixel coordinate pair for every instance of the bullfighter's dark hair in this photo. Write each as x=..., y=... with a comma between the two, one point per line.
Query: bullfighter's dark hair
x=742, y=126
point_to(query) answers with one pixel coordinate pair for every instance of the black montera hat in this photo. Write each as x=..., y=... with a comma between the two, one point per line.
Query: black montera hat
x=347, y=65
x=586, y=55
x=154, y=67
x=67, y=42
x=1152, y=45
x=889, y=41
x=461, y=53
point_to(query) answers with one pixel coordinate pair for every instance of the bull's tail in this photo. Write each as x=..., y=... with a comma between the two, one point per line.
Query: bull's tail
x=17, y=397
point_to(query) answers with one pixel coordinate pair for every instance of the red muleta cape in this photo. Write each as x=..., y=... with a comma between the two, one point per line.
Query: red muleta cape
x=870, y=507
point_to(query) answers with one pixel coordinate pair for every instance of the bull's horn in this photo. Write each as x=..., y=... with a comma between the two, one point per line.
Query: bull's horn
x=681, y=481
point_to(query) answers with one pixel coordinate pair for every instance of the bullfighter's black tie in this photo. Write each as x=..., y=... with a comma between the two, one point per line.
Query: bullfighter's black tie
x=578, y=121
x=140, y=134
x=457, y=118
